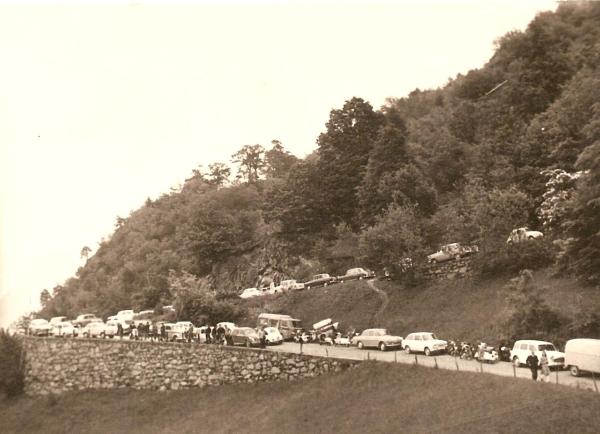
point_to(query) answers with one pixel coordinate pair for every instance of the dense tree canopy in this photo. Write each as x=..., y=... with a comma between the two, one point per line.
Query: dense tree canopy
x=464, y=163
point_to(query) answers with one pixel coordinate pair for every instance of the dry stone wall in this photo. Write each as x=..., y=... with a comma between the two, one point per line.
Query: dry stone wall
x=60, y=365
x=453, y=269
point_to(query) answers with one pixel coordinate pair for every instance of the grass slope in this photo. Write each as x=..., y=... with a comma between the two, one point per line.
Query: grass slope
x=375, y=397
x=458, y=309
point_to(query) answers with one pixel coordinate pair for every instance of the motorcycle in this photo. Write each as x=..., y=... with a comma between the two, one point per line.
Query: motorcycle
x=466, y=351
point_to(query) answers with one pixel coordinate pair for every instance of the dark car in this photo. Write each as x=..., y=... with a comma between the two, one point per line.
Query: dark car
x=356, y=274
x=320, y=280
x=245, y=336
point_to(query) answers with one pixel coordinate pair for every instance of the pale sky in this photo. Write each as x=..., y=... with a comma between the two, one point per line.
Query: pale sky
x=102, y=107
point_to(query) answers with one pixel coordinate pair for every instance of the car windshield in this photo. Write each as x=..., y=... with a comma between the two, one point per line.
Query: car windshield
x=547, y=347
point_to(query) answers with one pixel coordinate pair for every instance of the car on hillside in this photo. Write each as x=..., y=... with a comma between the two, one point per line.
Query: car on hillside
x=423, y=342
x=451, y=251
x=356, y=274
x=291, y=285
x=523, y=348
x=377, y=338
x=273, y=336
x=318, y=280
x=64, y=329
x=39, y=327
x=523, y=234
x=127, y=314
x=246, y=336
x=84, y=319
x=251, y=292
x=94, y=329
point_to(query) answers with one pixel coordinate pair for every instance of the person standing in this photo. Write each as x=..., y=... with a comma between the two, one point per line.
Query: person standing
x=163, y=332
x=207, y=333
x=533, y=363
x=120, y=330
x=545, y=367
x=262, y=336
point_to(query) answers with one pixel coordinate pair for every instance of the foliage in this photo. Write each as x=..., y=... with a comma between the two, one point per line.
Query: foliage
x=12, y=364
x=508, y=260
x=251, y=162
x=531, y=315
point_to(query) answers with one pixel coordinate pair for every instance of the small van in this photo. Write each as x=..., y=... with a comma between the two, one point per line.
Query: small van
x=286, y=325
x=522, y=349
x=582, y=355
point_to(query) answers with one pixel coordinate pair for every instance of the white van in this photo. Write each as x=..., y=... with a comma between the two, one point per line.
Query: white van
x=582, y=355
x=286, y=325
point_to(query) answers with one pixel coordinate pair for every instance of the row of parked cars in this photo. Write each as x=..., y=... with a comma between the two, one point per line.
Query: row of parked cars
x=318, y=280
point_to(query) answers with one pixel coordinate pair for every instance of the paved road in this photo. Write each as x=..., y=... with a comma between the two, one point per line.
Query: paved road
x=443, y=362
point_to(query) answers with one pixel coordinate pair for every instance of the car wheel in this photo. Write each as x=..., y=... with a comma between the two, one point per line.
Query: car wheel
x=516, y=362
x=382, y=346
x=407, y=349
x=427, y=352
x=360, y=345
x=575, y=372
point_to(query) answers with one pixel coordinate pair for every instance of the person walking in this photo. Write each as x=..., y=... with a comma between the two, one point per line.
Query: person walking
x=545, y=367
x=533, y=363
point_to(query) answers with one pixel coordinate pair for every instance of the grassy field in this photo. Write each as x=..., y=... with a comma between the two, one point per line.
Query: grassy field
x=458, y=309
x=373, y=398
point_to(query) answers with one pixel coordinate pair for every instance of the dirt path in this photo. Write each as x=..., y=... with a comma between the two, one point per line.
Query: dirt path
x=384, y=301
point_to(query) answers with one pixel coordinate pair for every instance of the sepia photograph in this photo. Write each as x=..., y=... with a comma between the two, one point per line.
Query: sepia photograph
x=299, y=216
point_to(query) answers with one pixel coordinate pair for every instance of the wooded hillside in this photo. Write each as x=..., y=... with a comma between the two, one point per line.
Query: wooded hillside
x=514, y=143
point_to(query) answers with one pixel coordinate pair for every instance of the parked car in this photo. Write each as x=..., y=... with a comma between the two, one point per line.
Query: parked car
x=173, y=331
x=57, y=320
x=424, y=342
x=356, y=274
x=84, y=319
x=377, y=338
x=582, y=355
x=318, y=280
x=286, y=325
x=112, y=328
x=523, y=348
x=273, y=336
x=251, y=292
x=63, y=329
x=291, y=285
x=246, y=336
x=94, y=329
x=451, y=251
x=128, y=314
x=523, y=234
x=39, y=327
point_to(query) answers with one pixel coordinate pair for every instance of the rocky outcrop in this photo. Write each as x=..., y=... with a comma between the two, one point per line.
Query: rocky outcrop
x=60, y=365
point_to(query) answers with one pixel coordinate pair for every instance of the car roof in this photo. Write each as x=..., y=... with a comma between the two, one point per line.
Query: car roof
x=532, y=341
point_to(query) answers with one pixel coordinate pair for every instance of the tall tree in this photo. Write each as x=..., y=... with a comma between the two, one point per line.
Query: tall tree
x=218, y=174
x=85, y=252
x=344, y=152
x=278, y=161
x=251, y=162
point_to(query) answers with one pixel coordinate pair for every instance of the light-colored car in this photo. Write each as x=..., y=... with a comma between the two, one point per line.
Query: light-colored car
x=377, y=338
x=582, y=355
x=112, y=328
x=523, y=234
x=94, y=329
x=251, y=292
x=64, y=329
x=523, y=348
x=227, y=325
x=246, y=336
x=291, y=285
x=451, y=251
x=273, y=336
x=84, y=319
x=128, y=314
x=57, y=320
x=423, y=342
x=39, y=327
x=356, y=274
x=317, y=280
